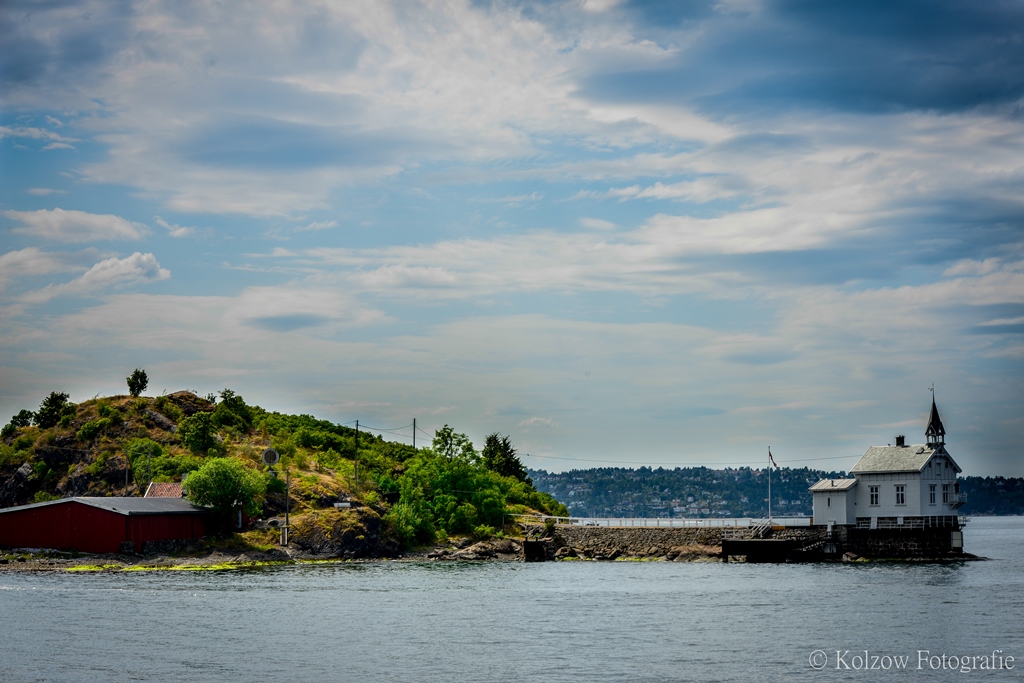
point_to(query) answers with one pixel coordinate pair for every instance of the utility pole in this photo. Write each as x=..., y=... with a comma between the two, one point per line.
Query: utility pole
x=149, y=464
x=356, y=460
x=414, y=433
x=287, y=503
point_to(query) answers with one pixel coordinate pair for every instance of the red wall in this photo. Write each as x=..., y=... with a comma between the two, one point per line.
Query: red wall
x=77, y=526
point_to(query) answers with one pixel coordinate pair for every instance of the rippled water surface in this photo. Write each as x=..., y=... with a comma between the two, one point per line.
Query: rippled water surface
x=569, y=621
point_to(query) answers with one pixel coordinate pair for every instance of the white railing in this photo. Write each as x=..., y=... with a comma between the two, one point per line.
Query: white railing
x=664, y=522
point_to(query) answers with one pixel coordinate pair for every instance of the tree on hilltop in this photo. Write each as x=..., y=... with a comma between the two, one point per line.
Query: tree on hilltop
x=137, y=382
x=53, y=408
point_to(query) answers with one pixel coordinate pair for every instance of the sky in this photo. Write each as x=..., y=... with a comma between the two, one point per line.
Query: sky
x=623, y=233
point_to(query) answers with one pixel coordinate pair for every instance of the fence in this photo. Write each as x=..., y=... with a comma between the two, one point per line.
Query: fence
x=665, y=522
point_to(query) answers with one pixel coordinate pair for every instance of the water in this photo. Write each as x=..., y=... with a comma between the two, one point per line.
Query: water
x=510, y=622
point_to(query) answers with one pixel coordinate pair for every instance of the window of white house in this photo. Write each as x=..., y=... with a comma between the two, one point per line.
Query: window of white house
x=901, y=494
x=874, y=494
x=931, y=494
x=945, y=493
x=829, y=500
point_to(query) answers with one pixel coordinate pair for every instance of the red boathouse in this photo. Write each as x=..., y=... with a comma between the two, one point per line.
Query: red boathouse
x=101, y=525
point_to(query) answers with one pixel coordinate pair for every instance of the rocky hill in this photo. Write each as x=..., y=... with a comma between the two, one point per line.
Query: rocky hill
x=396, y=496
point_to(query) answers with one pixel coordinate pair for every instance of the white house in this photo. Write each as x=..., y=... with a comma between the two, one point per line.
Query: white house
x=908, y=486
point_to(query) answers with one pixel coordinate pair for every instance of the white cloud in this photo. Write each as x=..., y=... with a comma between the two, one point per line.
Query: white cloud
x=43, y=191
x=317, y=226
x=28, y=262
x=75, y=226
x=134, y=269
x=597, y=224
x=537, y=422
x=173, y=230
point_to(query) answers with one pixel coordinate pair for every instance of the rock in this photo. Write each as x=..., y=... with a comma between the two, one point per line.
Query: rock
x=342, y=533
x=76, y=484
x=16, y=488
x=160, y=421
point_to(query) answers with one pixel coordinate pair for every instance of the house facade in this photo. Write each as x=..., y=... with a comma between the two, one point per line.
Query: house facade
x=903, y=486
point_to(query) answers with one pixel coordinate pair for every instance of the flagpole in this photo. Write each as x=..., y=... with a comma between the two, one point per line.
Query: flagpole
x=769, y=483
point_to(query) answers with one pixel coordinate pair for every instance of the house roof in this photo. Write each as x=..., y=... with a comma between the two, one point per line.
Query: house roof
x=126, y=506
x=169, y=489
x=899, y=459
x=834, y=485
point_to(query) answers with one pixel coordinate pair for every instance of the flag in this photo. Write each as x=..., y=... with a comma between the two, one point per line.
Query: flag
x=771, y=459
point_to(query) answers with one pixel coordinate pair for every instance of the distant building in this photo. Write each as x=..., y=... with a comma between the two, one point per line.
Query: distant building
x=901, y=486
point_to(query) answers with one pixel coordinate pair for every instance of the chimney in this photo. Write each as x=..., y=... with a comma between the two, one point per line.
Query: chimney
x=901, y=440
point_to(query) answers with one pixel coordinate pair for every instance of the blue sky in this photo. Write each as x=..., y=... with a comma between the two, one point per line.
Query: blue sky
x=624, y=233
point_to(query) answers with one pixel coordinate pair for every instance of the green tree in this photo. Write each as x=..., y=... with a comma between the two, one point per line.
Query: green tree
x=197, y=432
x=24, y=418
x=224, y=483
x=451, y=445
x=232, y=411
x=137, y=382
x=53, y=408
x=500, y=456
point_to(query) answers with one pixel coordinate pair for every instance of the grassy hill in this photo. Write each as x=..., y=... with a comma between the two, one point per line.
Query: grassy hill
x=116, y=445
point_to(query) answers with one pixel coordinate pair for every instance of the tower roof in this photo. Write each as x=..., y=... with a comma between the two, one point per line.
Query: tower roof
x=934, y=431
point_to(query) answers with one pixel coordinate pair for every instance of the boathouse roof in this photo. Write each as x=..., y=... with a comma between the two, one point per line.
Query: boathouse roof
x=124, y=506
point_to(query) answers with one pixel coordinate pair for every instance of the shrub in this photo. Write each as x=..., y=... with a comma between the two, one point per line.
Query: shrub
x=197, y=432
x=483, y=532
x=167, y=408
x=23, y=443
x=44, y=497
x=89, y=430
x=8, y=431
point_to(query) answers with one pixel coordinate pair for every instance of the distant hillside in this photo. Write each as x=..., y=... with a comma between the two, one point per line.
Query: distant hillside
x=741, y=492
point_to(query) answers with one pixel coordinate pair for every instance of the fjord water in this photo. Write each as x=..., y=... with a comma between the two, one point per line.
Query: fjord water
x=572, y=621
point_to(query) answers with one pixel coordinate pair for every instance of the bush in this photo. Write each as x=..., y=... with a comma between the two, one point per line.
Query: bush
x=8, y=431
x=89, y=430
x=483, y=532
x=197, y=432
x=44, y=497
x=146, y=455
x=167, y=408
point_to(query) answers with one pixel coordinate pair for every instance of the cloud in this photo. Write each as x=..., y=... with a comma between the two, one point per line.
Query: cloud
x=134, y=269
x=33, y=262
x=44, y=191
x=172, y=229
x=75, y=226
x=597, y=224
x=36, y=134
x=316, y=226
x=531, y=422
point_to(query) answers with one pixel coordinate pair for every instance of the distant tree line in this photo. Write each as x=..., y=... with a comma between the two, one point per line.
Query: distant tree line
x=734, y=492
